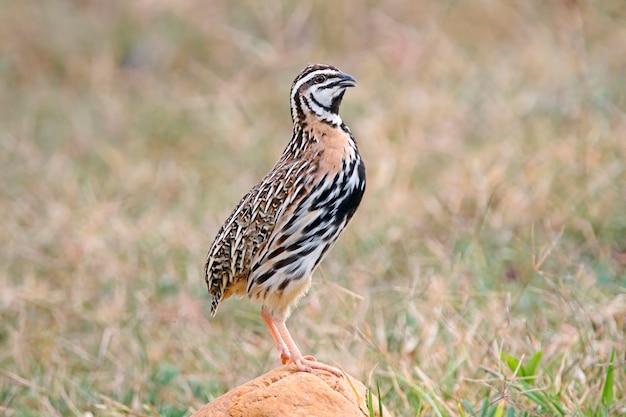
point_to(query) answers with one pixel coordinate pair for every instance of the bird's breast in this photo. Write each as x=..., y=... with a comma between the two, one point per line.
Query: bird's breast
x=330, y=149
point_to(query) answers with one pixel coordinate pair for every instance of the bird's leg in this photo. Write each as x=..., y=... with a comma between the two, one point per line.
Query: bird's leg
x=304, y=364
x=280, y=344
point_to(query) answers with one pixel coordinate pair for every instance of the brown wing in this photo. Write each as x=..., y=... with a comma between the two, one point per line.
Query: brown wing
x=246, y=232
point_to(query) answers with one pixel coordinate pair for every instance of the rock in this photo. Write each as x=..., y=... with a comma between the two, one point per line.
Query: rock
x=287, y=392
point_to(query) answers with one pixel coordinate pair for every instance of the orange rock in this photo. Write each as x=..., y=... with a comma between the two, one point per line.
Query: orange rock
x=286, y=392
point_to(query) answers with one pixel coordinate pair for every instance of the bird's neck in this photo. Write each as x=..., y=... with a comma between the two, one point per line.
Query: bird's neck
x=311, y=130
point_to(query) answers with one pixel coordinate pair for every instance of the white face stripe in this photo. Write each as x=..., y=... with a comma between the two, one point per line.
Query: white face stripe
x=323, y=96
x=323, y=113
x=296, y=86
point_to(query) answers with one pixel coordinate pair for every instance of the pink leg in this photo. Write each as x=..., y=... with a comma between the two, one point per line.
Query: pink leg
x=304, y=364
x=282, y=348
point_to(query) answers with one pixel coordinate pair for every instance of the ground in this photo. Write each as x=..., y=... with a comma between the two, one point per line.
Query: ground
x=484, y=273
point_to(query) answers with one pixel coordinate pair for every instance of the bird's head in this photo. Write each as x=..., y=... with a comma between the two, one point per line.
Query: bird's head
x=318, y=90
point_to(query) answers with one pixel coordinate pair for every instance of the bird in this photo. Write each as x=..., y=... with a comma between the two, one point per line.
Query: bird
x=281, y=229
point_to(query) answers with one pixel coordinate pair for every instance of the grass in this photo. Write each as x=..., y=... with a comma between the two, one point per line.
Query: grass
x=484, y=274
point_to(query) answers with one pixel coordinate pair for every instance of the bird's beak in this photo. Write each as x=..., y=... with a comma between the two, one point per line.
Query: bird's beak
x=347, y=81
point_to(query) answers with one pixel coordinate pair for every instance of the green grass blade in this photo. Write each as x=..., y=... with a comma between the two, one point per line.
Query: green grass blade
x=423, y=395
x=500, y=408
x=466, y=405
x=484, y=408
x=607, y=391
x=514, y=365
x=370, y=403
x=380, y=401
x=531, y=366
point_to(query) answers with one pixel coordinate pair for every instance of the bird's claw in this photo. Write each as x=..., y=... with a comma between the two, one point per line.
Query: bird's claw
x=308, y=363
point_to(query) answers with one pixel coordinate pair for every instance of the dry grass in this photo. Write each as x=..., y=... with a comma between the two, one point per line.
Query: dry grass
x=494, y=222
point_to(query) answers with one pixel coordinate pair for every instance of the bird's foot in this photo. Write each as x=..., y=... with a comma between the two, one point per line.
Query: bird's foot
x=285, y=357
x=308, y=363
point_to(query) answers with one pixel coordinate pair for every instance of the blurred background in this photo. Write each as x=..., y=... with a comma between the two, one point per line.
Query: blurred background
x=493, y=229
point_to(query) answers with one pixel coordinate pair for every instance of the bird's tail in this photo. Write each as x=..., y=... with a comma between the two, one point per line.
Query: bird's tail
x=214, y=303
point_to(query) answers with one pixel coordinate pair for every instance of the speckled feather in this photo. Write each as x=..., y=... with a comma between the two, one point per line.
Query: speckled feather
x=279, y=232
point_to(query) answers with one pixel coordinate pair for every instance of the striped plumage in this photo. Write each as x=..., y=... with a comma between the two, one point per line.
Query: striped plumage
x=279, y=232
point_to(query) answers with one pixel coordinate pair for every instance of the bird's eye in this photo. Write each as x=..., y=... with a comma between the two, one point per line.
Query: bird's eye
x=320, y=79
